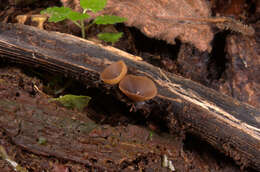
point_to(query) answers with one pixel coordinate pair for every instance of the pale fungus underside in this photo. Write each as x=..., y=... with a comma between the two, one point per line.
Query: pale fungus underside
x=138, y=88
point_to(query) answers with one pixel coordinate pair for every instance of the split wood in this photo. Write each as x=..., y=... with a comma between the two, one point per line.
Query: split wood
x=230, y=126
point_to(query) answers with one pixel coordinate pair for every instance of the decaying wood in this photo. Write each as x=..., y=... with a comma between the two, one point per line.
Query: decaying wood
x=241, y=79
x=229, y=125
x=73, y=136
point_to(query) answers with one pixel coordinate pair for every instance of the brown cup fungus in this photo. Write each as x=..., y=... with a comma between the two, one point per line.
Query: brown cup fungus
x=114, y=73
x=138, y=88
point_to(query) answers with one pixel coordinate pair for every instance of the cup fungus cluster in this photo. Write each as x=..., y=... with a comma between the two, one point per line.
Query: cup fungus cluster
x=136, y=88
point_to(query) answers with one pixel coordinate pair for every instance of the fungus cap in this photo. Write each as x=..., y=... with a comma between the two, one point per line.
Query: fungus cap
x=138, y=88
x=114, y=73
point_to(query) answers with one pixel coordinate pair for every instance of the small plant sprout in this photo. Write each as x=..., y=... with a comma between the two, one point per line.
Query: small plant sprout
x=57, y=14
x=42, y=141
x=73, y=101
x=150, y=137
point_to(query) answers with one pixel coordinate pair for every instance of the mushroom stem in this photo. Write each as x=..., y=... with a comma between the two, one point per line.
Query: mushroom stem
x=40, y=19
x=21, y=18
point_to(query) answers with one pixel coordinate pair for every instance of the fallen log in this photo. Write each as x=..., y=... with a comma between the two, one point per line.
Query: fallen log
x=227, y=124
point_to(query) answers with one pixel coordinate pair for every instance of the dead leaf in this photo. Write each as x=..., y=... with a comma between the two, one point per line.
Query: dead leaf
x=163, y=19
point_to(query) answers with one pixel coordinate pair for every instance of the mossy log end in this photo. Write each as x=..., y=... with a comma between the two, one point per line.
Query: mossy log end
x=229, y=125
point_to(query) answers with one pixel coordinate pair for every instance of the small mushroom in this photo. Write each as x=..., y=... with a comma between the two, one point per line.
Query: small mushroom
x=21, y=18
x=138, y=88
x=40, y=19
x=114, y=73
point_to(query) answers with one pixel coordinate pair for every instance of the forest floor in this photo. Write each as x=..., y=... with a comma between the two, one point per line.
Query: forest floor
x=115, y=139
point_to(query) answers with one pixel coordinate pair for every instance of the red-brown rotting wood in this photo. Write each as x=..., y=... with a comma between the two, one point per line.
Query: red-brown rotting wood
x=227, y=124
x=84, y=144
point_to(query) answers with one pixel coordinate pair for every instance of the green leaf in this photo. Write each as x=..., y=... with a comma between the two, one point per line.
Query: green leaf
x=93, y=5
x=110, y=37
x=107, y=19
x=74, y=16
x=61, y=13
x=42, y=140
x=73, y=101
x=56, y=13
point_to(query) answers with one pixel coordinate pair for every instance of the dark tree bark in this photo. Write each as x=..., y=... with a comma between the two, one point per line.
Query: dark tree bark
x=229, y=125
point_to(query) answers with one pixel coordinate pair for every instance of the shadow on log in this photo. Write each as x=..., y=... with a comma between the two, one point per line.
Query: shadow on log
x=229, y=125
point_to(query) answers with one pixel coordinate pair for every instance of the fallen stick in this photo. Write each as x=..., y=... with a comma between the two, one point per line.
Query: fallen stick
x=227, y=124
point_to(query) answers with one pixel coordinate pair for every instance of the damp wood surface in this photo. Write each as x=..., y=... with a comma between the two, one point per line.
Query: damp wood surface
x=183, y=105
x=76, y=143
x=71, y=136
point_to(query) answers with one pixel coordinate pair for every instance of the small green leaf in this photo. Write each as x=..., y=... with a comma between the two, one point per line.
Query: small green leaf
x=73, y=101
x=56, y=18
x=56, y=13
x=107, y=19
x=74, y=16
x=150, y=137
x=110, y=37
x=93, y=5
x=42, y=141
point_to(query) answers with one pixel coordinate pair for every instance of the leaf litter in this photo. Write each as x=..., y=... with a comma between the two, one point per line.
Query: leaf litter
x=186, y=20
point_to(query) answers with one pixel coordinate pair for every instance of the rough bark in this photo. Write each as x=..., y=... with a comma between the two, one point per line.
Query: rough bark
x=229, y=125
x=241, y=78
x=73, y=136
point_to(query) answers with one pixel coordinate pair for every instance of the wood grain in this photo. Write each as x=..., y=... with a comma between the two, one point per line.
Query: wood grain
x=229, y=125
